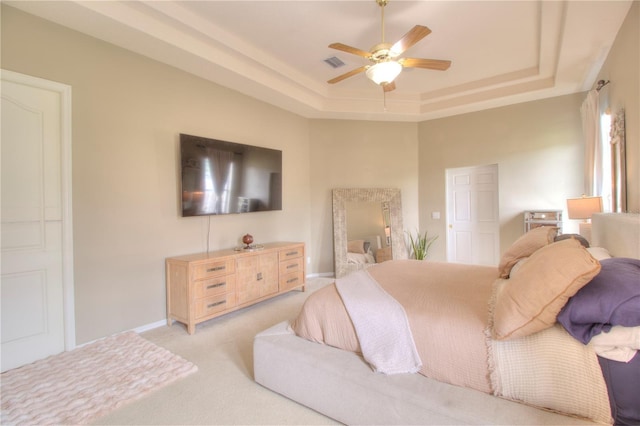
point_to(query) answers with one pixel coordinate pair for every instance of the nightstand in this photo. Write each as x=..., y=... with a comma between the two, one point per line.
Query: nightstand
x=536, y=218
x=383, y=255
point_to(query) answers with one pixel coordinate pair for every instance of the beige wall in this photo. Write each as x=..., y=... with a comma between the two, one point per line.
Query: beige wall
x=127, y=114
x=622, y=69
x=359, y=154
x=536, y=145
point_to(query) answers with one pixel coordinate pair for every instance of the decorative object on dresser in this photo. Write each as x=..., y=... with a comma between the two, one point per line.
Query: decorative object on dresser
x=535, y=218
x=247, y=239
x=206, y=285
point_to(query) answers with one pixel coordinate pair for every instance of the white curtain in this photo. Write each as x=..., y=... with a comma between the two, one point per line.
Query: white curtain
x=590, y=111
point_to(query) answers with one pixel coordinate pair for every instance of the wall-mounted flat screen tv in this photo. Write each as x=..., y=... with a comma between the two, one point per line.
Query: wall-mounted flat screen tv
x=220, y=177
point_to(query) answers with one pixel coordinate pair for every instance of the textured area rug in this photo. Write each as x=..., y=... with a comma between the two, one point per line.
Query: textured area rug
x=78, y=386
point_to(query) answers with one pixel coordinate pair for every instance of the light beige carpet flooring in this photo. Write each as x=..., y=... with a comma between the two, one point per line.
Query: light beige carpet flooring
x=77, y=386
x=222, y=391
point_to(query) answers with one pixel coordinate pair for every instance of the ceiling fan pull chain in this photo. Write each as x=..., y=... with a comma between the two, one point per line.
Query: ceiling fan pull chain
x=382, y=4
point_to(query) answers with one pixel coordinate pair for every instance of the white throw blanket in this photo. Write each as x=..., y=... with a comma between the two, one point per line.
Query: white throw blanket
x=619, y=344
x=381, y=325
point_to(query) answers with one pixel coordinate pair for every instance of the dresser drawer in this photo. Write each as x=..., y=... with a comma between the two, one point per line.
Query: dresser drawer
x=292, y=265
x=213, y=269
x=211, y=305
x=213, y=286
x=291, y=280
x=290, y=253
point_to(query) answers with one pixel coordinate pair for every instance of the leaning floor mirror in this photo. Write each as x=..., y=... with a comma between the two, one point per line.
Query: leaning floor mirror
x=367, y=228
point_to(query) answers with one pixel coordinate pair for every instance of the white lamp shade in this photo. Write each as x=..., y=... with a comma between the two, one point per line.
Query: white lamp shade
x=584, y=207
x=384, y=72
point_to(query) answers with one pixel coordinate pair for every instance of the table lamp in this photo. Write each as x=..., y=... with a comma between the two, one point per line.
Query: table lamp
x=583, y=208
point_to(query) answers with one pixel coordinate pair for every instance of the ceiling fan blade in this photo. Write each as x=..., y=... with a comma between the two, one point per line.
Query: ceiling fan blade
x=348, y=74
x=416, y=34
x=432, y=64
x=349, y=49
x=387, y=87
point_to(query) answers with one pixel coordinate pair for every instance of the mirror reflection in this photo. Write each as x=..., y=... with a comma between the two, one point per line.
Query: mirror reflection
x=367, y=228
x=368, y=232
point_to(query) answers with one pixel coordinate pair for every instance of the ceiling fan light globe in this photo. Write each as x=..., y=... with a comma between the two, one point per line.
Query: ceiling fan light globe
x=384, y=72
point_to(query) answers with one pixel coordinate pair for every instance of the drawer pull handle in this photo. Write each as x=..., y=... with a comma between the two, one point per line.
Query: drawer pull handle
x=216, y=268
x=213, y=305
x=259, y=276
x=292, y=253
x=216, y=285
x=292, y=280
x=293, y=265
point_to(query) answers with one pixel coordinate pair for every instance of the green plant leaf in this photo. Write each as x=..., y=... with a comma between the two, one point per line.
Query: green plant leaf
x=420, y=244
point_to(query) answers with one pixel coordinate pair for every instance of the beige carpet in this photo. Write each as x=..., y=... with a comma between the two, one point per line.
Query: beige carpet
x=78, y=386
x=222, y=391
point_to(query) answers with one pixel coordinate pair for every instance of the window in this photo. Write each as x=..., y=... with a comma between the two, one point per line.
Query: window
x=605, y=166
x=605, y=158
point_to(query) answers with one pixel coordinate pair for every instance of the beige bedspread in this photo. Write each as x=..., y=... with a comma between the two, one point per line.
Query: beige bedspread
x=446, y=305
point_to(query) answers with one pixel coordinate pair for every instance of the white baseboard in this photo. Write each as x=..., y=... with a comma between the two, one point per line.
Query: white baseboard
x=321, y=274
x=151, y=326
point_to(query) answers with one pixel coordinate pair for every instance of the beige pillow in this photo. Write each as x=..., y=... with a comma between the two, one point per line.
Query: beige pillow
x=531, y=300
x=355, y=246
x=525, y=246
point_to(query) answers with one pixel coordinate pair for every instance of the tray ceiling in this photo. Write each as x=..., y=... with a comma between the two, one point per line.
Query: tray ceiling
x=502, y=52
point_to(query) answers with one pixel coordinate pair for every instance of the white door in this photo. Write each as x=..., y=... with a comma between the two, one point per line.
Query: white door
x=473, y=234
x=36, y=295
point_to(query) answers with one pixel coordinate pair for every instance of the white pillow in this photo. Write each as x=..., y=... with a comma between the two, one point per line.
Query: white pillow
x=619, y=344
x=599, y=253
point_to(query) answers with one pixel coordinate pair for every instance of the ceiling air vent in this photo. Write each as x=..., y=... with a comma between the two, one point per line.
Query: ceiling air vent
x=334, y=62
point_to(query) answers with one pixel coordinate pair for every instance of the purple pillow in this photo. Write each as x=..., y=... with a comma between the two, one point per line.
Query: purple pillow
x=611, y=298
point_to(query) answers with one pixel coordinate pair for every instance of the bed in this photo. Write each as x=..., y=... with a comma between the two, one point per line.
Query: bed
x=361, y=251
x=478, y=360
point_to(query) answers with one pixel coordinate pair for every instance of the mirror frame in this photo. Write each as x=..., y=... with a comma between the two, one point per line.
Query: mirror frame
x=618, y=158
x=344, y=195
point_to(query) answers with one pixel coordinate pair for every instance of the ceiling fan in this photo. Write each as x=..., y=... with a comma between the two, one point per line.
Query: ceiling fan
x=386, y=67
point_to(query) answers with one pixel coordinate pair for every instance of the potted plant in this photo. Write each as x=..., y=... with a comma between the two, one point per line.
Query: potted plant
x=420, y=244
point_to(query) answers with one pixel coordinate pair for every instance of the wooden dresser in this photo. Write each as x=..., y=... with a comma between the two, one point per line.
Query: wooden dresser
x=206, y=285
